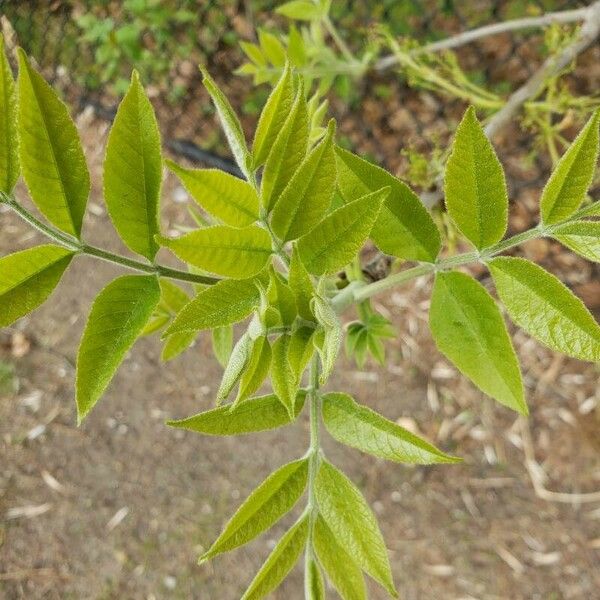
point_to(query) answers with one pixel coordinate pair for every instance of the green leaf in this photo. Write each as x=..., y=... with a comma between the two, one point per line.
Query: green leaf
x=27, y=279
x=468, y=328
x=362, y=428
x=249, y=416
x=334, y=242
x=329, y=341
x=222, y=343
x=302, y=10
x=282, y=376
x=273, y=116
x=257, y=370
x=545, y=308
x=118, y=316
x=314, y=582
x=474, y=185
x=308, y=194
x=235, y=367
x=228, y=198
x=353, y=524
x=9, y=151
x=301, y=284
x=342, y=571
x=280, y=561
x=272, y=48
x=582, y=237
x=231, y=125
x=272, y=499
x=222, y=304
x=287, y=152
x=224, y=250
x=282, y=298
x=300, y=350
x=176, y=344
x=404, y=227
x=50, y=152
x=568, y=184
x=133, y=171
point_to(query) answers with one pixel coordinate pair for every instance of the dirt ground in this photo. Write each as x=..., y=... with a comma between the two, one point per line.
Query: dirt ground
x=122, y=506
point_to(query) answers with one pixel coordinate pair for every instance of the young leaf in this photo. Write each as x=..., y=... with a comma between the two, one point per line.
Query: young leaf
x=287, y=152
x=545, y=308
x=248, y=416
x=468, y=328
x=308, y=194
x=280, y=561
x=272, y=499
x=315, y=588
x=300, y=350
x=133, y=171
x=235, y=367
x=362, y=428
x=282, y=377
x=474, y=185
x=27, y=278
x=404, y=227
x=225, y=250
x=342, y=571
x=176, y=344
x=228, y=198
x=282, y=298
x=50, y=152
x=9, y=152
x=334, y=242
x=257, y=370
x=222, y=343
x=301, y=284
x=568, y=184
x=230, y=123
x=302, y=10
x=353, y=524
x=273, y=116
x=118, y=316
x=272, y=48
x=329, y=340
x=221, y=304
x=582, y=237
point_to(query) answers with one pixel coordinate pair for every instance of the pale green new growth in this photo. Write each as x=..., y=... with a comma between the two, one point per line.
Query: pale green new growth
x=582, y=237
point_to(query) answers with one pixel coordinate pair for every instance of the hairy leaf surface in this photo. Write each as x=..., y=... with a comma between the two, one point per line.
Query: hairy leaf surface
x=50, y=152
x=9, y=151
x=404, y=227
x=582, y=237
x=27, y=279
x=468, y=328
x=133, y=171
x=224, y=196
x=360, y=427
x=301, y=284
x=474, y=185
x=545, y=308
x=272, y=499
x=118, y=316
x=565, y=190
x=282, y=376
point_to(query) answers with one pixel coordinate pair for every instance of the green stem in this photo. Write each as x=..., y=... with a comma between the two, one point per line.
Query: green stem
x=337, y=38
x=85, y=249
x=314, y=458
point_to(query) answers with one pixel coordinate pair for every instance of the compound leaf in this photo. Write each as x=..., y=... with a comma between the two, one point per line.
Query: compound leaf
x=255, y=414
x=545, y=308
x=224, y=196
x=27, y=279
x=50, y=152
x=404, y=227
x=362, y=428
x=353, y=524
x=118, y=316
x=272, y=499
x=308, y=194
x=582, y=237
x=565, y=190
x=334, y=242
x=224, y=250
x=9, y=151
x=224, y=303
x=133, y=171
x=468, y=328
x=474, y=185
x=342, y=571
x=280, y=562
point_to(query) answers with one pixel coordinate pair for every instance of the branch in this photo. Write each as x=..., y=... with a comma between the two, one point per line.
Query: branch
x=467, y=37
